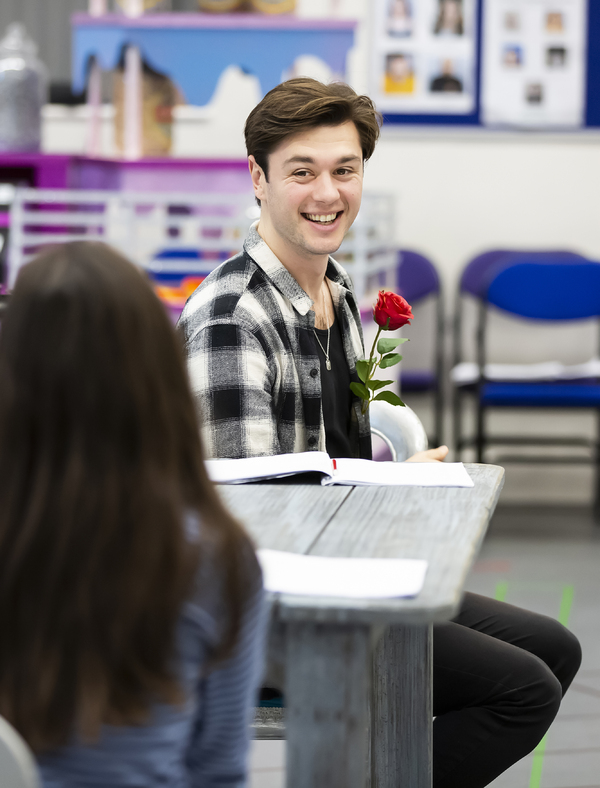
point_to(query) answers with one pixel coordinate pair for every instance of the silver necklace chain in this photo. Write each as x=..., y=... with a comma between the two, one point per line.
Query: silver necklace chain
x=325, y=352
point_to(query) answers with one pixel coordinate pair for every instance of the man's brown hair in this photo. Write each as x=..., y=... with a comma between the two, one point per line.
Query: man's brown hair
x=303, y=103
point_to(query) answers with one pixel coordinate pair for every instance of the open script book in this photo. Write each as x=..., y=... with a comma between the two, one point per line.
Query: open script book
x=354, y=578
x=339, y=471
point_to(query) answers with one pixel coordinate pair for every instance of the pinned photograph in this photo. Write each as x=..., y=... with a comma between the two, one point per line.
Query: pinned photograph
x=512, y=20
x=534, y=93
x=556, y=57
x=555, y=22
x=400, y=18
x=399, y=74
x=512, y=56
x=447, y=80
x=449, y=19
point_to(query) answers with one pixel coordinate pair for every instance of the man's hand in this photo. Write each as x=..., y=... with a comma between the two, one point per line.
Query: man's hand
x=431, y=455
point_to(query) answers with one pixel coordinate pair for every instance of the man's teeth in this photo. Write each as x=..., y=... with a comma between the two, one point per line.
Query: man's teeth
x=329, y=217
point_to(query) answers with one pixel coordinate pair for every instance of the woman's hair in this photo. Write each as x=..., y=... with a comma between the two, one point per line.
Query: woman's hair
x=100, y=466
x=303, y=103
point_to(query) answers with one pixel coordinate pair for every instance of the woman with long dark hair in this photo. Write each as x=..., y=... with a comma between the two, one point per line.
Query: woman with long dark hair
x=130, y=599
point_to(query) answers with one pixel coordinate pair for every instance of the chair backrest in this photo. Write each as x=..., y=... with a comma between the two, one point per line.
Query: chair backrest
x=416, y=276
x=17, y=764
x=481, y=269
x=547, y=290
x=400, y=428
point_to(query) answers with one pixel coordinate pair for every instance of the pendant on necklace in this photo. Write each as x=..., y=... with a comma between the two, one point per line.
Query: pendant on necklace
x=328, y=364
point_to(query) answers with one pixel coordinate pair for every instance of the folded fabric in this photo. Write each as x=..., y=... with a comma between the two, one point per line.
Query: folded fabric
x=468, y=372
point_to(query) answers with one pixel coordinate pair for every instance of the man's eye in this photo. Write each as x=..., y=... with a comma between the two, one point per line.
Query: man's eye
x=344, y=171
x=301, y=173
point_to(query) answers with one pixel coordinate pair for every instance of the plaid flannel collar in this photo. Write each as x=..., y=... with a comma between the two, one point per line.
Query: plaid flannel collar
x=264, y=257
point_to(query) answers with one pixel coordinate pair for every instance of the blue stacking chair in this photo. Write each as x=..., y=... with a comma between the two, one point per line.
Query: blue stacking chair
x=473, y=285
x=417, y=279
x=538, y=287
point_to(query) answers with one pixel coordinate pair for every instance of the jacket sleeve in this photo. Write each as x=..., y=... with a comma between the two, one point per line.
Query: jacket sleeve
x=232, y=380
x=218, y=749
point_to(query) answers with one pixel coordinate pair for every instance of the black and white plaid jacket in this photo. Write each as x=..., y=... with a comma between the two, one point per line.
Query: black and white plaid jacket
x=252, y=362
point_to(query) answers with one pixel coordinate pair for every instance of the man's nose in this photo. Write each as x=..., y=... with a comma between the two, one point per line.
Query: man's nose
x=325, y=189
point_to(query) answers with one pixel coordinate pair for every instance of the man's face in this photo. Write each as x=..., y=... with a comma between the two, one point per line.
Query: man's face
x=313, y=193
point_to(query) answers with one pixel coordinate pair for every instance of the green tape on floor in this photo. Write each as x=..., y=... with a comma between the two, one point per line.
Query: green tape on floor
x=538, y=762
x=566, y=602
x=500, y=593
x=565, y=605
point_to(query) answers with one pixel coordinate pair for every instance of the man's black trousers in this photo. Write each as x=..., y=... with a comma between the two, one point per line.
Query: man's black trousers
x=499, y=673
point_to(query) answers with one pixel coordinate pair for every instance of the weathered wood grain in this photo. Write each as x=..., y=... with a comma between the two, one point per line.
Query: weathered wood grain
x=284, y=516
x=445, y=526
x=327, y=664
x=401, y=709
x=268, y=724
x=328, y=682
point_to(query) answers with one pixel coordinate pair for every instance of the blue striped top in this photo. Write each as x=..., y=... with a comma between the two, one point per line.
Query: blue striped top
x=205, y=742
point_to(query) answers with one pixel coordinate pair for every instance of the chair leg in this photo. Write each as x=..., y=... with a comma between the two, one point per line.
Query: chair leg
x=596, y=504
x=439, y=413
x=457, y=421
x=480, y=439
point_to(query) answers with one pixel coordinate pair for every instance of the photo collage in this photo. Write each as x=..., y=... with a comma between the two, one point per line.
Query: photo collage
x=423, y=56
x=534, y=63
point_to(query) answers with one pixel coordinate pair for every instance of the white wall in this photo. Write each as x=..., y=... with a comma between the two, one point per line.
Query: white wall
x=459, y=193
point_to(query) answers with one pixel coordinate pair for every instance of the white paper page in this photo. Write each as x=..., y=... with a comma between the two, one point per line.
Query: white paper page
x=355, y=578
x=414, y=474
x=273, y=467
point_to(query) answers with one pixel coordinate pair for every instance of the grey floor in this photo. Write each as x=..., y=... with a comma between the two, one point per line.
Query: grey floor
x=546, y=559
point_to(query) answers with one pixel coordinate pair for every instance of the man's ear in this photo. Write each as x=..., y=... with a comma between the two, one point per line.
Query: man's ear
x=258, y=177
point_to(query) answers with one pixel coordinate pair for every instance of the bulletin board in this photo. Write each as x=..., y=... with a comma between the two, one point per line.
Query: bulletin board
x=533, y=66
x=554, y=53
x=424, y=56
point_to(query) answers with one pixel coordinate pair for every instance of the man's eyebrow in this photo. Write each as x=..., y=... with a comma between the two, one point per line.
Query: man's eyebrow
x=299, y=160
x=310, y=160
x=348, y=159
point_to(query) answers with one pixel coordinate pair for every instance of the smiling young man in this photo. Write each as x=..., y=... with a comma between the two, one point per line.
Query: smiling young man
x=273, y=336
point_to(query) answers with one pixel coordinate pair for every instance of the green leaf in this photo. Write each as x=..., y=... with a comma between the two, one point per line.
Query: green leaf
x=363, y=370
x=390, y=360
x=389, y=396
x=387, y=345
x=360, y=390
x=374, y=385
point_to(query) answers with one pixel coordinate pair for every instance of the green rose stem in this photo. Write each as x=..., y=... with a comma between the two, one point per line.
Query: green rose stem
x=365, y=369
x=379, y=330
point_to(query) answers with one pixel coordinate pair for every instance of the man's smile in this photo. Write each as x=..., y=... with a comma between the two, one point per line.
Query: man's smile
x=322, y=218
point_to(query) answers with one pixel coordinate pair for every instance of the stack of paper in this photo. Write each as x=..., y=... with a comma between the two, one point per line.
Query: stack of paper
x=355, y=578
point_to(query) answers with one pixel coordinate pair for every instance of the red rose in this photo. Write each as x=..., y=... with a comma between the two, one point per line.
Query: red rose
x=393, y=308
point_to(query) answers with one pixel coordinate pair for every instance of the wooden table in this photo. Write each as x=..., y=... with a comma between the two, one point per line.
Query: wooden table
x=348, y=659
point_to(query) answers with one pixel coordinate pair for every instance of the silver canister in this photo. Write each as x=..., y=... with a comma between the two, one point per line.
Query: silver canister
x=23, y=91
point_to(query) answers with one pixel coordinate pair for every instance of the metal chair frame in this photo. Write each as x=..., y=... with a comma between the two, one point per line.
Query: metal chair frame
x=415, y=289
x=510, y=266
x=474, y=282
x=18, y=768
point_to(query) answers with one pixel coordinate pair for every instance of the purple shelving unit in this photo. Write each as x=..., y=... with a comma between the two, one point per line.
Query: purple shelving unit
x=40, y=170
x=48, y=171
x=160, y=174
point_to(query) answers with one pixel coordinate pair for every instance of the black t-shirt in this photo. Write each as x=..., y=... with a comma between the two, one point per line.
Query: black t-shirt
x=336, y=397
